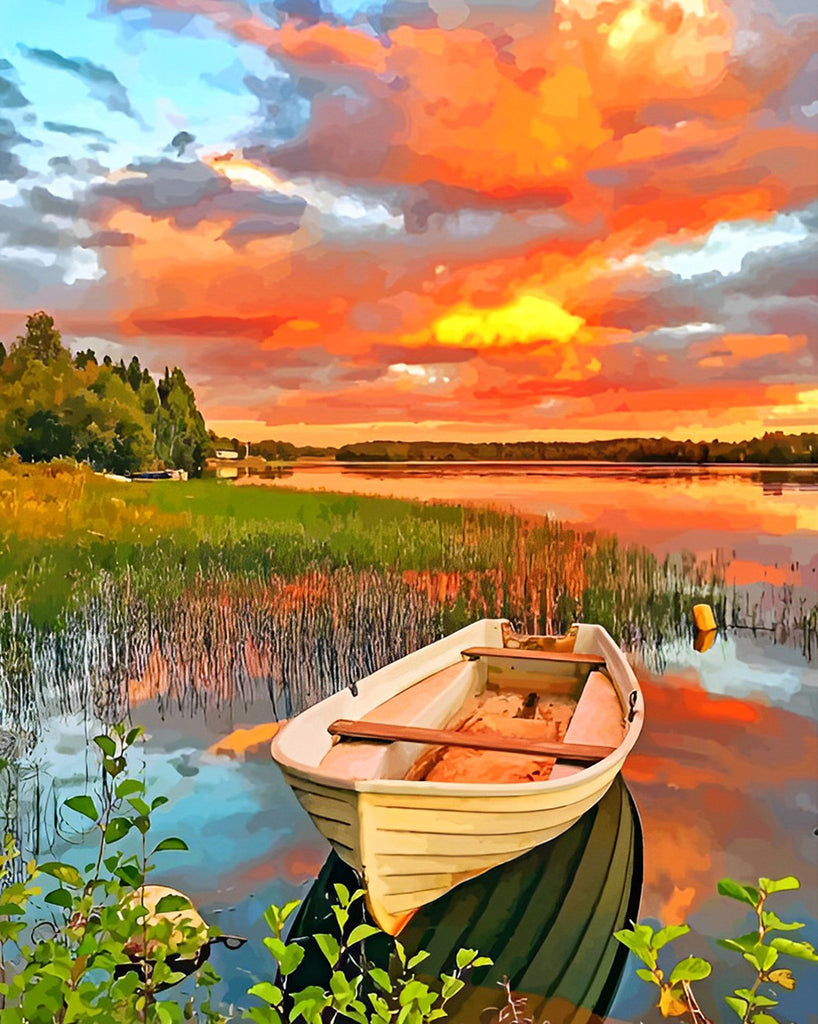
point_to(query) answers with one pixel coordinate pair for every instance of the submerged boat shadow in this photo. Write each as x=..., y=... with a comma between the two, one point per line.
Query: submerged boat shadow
x=546, y=919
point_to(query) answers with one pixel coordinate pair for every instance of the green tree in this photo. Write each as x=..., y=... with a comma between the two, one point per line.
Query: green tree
x=181, y=437
x=41, y=340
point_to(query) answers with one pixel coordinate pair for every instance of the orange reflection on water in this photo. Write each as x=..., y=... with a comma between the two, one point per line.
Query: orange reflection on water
x=718, y=782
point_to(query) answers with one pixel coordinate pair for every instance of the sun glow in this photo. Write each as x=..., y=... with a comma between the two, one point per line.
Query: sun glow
x=523, y=321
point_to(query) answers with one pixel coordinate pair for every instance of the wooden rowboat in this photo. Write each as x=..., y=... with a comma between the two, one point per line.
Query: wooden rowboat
x=462, y=756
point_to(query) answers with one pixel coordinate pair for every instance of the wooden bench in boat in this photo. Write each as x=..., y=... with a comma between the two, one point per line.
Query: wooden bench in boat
x=390, y=733
x=473, y=653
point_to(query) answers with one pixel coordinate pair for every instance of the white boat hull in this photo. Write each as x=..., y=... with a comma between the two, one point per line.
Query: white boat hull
x=413, y=841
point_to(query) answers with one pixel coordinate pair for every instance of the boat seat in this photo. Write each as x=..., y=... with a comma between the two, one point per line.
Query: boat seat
x=598, y=719
x=429, y=704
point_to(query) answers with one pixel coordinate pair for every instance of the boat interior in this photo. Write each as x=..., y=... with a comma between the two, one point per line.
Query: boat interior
x=502, y=697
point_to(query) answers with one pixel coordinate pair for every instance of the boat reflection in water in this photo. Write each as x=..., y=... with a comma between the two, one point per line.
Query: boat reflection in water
x=546, y=920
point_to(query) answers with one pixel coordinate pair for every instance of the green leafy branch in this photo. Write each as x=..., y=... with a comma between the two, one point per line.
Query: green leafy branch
x=357, y=990
x=115, y=949
x=750, y=1005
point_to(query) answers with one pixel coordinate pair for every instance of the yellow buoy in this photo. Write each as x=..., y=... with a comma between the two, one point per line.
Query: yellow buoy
x=703, y=617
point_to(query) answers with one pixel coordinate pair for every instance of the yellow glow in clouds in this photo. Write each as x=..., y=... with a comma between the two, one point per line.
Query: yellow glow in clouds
x=527, y=319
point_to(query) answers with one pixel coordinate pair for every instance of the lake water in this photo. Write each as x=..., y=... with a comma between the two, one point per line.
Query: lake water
x=723, y=776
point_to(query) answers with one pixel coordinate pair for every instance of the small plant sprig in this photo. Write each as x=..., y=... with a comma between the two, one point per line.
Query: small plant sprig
x=750, y=1005
x=111, y=954
x=358, y=991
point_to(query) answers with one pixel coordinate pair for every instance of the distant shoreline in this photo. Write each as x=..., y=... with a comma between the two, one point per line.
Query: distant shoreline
x=551, y=462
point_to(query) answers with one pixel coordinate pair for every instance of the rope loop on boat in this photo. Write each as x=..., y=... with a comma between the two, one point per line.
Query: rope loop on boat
x=633, y=696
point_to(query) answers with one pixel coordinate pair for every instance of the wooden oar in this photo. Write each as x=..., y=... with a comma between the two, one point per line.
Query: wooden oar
x=583, y=753
x=510, y=652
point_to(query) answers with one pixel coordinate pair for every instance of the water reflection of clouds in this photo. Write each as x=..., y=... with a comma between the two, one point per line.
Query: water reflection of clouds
x=737, y=666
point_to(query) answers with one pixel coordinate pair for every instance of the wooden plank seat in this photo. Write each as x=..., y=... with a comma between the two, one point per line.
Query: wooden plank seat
x=474, y=653
x=391, y=733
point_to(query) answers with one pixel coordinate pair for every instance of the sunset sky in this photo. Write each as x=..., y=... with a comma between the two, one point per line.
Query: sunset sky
x=357, y=219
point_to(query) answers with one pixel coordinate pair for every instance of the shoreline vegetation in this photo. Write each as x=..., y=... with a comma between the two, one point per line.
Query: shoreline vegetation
x=195, y=594
x=771, y=449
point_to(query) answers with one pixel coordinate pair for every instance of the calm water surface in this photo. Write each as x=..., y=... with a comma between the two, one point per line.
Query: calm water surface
x=724, y=775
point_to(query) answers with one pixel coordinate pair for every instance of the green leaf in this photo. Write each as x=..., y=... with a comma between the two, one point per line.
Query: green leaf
x=172, y=902
x=771, y=885
x=739, y=1006
x=342, y=893
x=418, y=958
x=750, y=997
x=65, y=873
x=773, y=923
x=400, y=952
x=133, y=735
x=646, y=975
x=668, y=934
x=381, y=978
x=765, y=956
x=451, y=986
x=158, y=801
x=130, y=875
x=692, y=968
x=288, y=956
x=802, y=950
x=139, y=806
x=288, y=908
x=763, y=1018
x=464, y=957
x=171, y=843
x=83, y=805
x=636, y=944
x=744, y=943
x=269, y=993
x=128, y=787
x=737, y=891
x=330, y=947
x=143, y=823
x=106, y=745
x=483, y=961
x=380, y=1006
x=361, y=932
x=116, y=829
x=60, y=898
x=342, y=989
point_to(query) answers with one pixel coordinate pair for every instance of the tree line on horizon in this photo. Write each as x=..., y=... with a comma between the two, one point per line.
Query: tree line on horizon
x=114, y=416
x=773, y=447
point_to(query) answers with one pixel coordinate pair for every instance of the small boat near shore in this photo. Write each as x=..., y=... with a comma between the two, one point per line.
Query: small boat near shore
x=462, y=756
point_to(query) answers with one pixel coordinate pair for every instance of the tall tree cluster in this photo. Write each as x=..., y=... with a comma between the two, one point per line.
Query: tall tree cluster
x=113, y=416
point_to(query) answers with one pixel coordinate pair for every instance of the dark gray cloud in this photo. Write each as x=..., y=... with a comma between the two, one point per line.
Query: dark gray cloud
x=11, y=168
x=82, y=168
x=10, y=95
x=774, y=292
x=422, y=202
x=25, y=229
x=108, y=239
x=253, y=228
x=189, y=192
x=103, y=85
x=75, y=130
x=44, y=202
x=166, y=187
x=180, y=142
